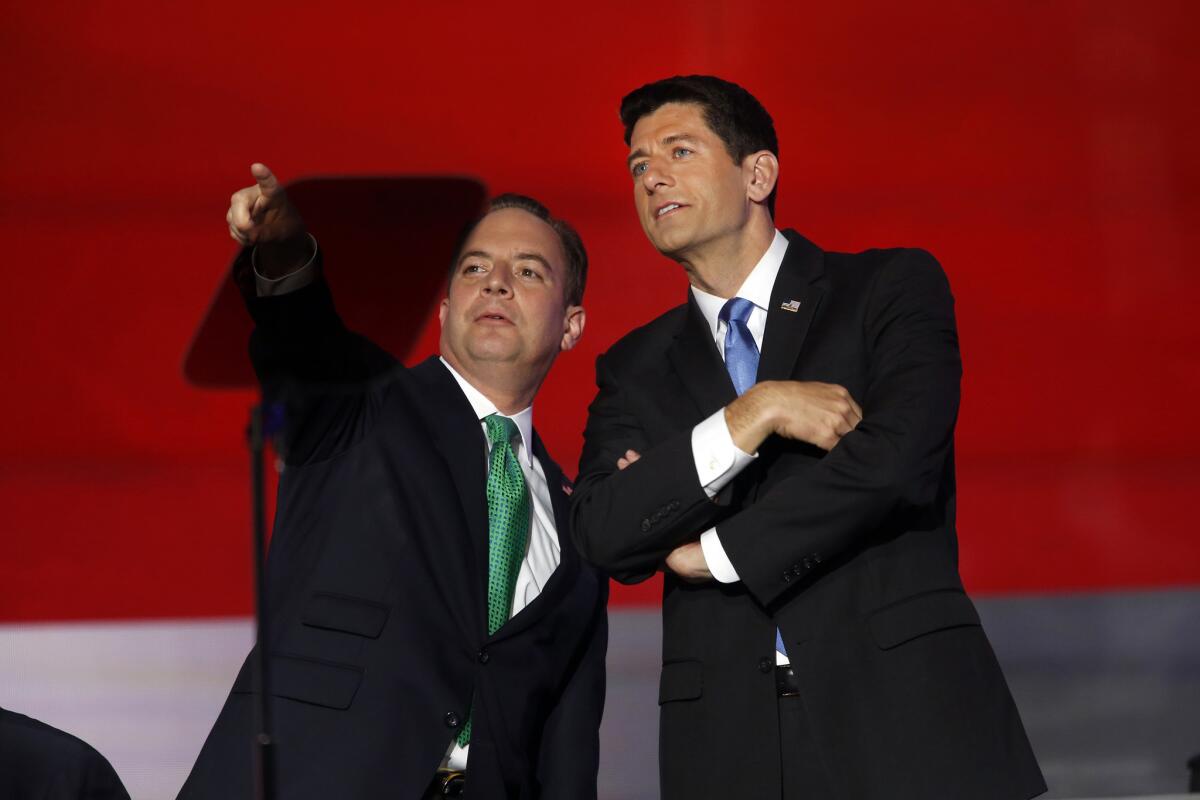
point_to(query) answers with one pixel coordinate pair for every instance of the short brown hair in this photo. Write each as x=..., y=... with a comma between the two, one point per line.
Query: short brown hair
x=731, y=112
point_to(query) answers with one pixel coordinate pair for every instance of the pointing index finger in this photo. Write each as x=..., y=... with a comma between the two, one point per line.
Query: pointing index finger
x=267, y=182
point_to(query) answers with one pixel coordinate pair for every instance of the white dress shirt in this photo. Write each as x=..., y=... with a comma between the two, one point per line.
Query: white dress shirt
x=718, y=459
x=542, y=554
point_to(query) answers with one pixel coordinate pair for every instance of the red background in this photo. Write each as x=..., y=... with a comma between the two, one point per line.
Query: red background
x=1045, y=152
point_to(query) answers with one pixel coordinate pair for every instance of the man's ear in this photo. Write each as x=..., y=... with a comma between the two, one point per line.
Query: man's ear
x=443, y=308
x=573, y=326
x=762, y=171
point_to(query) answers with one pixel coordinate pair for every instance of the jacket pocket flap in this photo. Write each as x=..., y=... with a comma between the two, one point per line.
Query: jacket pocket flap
x=681, y=680
x=317, y=682
x=920, y=615
x=346, y=614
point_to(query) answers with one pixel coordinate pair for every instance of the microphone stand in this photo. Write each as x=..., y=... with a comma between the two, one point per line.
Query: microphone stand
x=266, y=421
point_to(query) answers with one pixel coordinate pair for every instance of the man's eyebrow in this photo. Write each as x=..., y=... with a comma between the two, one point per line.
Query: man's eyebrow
x=667, y=140
x=474, y=254
x=529, y=256
x=524, y=255
x=679, y=137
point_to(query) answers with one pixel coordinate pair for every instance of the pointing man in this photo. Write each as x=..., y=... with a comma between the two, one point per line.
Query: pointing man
x=433, y=630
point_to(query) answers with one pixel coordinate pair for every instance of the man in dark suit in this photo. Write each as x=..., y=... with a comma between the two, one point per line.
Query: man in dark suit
x=432, y=626
x=39, y=762
x=817, y=642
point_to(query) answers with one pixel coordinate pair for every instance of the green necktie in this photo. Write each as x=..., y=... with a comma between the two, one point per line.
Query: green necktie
x=508, y=526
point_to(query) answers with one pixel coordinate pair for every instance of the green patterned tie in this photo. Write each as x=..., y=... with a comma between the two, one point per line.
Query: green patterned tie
x=508, y=527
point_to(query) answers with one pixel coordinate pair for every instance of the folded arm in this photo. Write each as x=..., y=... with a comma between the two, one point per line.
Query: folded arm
x=893, y=460
x=653, y=509
x=627, y=521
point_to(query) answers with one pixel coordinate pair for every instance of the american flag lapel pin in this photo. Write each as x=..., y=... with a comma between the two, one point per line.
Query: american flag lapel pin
x=791, y=305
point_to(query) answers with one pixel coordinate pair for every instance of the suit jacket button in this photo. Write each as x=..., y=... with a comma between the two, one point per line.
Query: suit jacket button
x=787, y=576
x=797, y=571
x=451, y=719
x=765, y=664
x=645, y=526
x=484, y=656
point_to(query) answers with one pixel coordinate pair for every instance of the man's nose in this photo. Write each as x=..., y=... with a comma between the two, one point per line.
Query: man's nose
x=498, y=282
x=656, y=176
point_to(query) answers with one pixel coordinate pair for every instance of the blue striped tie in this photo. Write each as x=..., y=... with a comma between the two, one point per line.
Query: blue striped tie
x=741, y=359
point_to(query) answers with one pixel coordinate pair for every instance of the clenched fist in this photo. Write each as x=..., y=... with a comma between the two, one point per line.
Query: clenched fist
x=807, y=411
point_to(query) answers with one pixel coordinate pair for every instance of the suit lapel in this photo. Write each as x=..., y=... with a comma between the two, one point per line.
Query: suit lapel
x=460, y=441
x=698, y=363
x=559, y=496
x=794, y=301
x=566, y=573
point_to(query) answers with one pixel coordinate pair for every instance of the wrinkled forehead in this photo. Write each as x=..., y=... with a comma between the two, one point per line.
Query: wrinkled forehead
x=514, y=234
x=664, y=119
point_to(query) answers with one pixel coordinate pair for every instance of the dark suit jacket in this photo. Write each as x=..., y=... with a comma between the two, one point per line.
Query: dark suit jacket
x=378, y=594
x=38, y=762
x=851, y=553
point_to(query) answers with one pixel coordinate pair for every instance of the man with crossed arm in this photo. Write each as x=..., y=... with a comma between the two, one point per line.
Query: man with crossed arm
x=817, y=642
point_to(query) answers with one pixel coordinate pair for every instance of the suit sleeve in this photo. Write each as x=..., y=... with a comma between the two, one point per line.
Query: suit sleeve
x=628, y=521
x=570, y=753
x=40, y=761
x=892, y=463
x=308, y=361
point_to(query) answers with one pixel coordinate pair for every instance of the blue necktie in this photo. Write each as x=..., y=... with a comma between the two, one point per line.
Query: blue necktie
x=741, y=359
x=741, y=353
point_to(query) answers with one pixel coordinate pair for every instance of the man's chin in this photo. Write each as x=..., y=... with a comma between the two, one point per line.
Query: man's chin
x=673, y=250
x=493, y=353
x=670, y=243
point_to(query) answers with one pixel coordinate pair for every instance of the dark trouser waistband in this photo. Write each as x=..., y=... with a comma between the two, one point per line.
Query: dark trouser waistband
x=786, y=682
x=446, y=783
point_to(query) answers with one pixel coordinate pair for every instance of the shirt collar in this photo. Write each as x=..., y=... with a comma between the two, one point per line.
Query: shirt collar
x=756, y=288
x=484, y=407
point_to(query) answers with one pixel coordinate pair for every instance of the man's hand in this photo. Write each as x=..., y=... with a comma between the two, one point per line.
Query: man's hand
x=261, y=215
x=807, y=411
x=688, y=562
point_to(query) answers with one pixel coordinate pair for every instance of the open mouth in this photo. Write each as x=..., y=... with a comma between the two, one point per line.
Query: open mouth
x=667, y=209
x=493, y=317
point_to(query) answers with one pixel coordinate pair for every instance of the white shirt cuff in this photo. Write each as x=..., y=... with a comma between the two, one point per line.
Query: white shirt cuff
x=718, y=563
x=718, y=459
x=296, y=279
